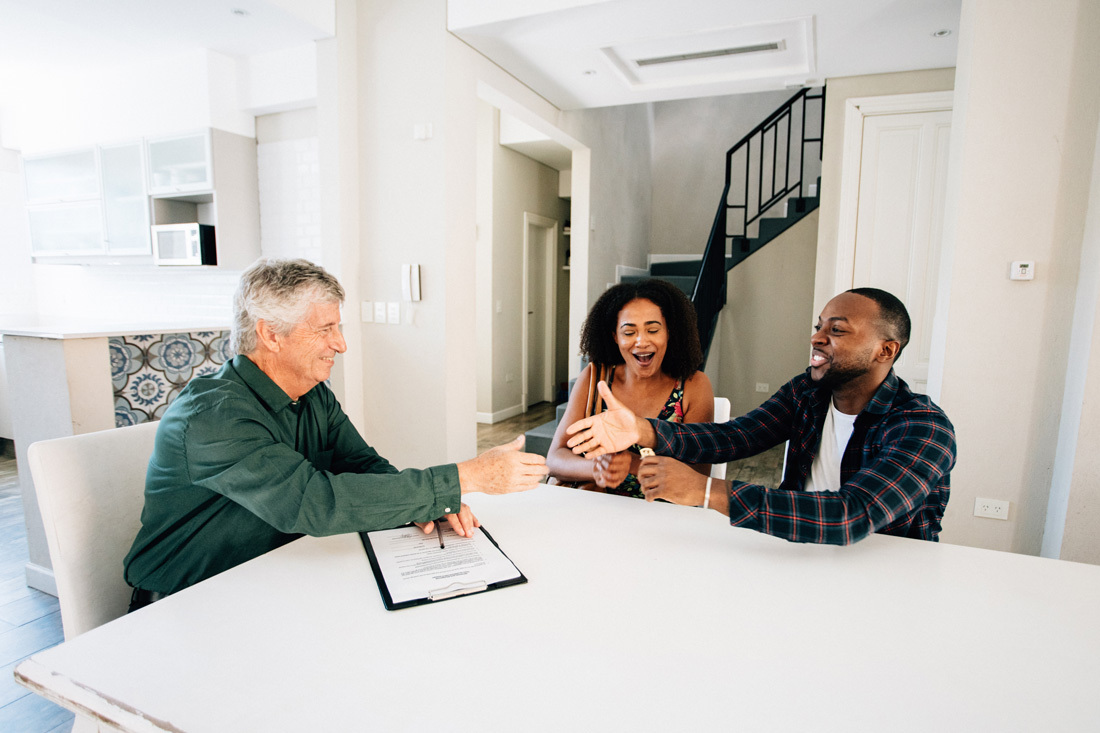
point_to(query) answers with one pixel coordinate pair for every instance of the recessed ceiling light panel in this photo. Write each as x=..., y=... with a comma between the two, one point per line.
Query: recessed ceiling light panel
x=778, y=51
x=696, y=55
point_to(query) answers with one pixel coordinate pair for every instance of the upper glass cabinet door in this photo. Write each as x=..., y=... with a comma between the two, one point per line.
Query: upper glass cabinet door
x=125, y=204
x=61, y=177
x=180, y=164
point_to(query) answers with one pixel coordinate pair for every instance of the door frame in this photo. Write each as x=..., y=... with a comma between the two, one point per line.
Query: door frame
x=549, y=311
x=855, y=110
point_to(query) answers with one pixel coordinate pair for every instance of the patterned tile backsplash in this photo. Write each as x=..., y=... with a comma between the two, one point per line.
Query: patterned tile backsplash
x=149, y=370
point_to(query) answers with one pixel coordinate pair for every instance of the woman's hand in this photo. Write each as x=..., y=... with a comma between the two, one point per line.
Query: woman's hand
x=611, y=469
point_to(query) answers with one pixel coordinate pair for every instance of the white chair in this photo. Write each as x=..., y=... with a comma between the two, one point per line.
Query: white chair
x=721, y=414
x=90, y=491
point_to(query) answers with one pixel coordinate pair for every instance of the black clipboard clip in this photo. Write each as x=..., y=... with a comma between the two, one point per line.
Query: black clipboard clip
x=457, y=589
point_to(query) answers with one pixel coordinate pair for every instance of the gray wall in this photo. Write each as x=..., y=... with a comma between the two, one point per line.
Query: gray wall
x=764, y=330
x=690, y=140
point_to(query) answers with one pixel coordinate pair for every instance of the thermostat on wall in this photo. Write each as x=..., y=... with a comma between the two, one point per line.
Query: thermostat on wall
x=1022, y=270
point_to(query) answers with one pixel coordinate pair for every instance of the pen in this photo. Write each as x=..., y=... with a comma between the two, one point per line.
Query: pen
x=439, y=532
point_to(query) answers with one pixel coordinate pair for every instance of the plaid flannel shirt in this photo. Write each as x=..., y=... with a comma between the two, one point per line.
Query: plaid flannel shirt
x=895, y=472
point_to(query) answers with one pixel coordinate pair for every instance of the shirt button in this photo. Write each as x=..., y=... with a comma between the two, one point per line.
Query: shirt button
x=447, y=511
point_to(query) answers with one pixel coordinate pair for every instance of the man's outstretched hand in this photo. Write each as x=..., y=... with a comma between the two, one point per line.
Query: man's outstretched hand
x=609, y=432
x=502, y=470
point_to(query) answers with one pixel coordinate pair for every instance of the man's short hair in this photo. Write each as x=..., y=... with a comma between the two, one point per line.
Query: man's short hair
x=894, y=318
x=280, y=293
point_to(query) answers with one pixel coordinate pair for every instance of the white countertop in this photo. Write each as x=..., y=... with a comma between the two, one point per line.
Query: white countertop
x=75, y=327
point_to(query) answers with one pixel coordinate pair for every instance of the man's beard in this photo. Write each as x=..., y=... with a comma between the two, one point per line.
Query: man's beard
x=840, y=374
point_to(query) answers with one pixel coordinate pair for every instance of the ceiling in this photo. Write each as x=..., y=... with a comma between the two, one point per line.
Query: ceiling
x=44, y=36
x=596, y=53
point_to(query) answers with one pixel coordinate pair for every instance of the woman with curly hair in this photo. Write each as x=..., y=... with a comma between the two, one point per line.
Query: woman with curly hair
x=644, y=335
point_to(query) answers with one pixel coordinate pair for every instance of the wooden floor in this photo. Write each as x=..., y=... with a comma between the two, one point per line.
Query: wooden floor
x=506, y=430
x=765, y=468
x=29, y=620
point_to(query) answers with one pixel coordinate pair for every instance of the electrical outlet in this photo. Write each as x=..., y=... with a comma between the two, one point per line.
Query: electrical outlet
x=992, y=508
x=762, y=387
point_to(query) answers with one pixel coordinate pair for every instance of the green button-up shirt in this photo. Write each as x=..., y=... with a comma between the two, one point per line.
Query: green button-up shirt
x=239, y=469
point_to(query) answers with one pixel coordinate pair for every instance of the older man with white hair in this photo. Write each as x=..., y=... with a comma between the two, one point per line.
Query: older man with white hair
x=261, y=453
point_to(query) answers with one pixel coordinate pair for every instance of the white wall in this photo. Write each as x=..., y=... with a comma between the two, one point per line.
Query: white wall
x=690, y=140
x=1073, y=512
x=16, y=285
x=288, y=166
x=1022, y=151
x=419, y=203
x=764, y=332
x=520, y=185
x=620, y=195
x=84, y=107
x=279, y=81
x=837, y=92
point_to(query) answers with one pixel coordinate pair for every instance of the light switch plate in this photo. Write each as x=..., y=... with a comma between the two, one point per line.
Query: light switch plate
x=379, y=312
x=1022, y=270
x=393, y=313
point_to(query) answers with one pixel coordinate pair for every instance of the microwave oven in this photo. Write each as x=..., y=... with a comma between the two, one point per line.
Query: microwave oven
x=184, y=244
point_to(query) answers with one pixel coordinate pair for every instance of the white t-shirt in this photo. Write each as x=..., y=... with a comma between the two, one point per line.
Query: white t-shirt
x=825, y=471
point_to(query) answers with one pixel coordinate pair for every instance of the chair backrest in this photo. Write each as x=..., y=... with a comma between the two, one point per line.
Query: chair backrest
x=721, y=414
x=91, y=490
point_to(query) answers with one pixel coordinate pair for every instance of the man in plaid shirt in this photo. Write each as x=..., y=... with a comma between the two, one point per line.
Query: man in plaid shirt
x=865, y=454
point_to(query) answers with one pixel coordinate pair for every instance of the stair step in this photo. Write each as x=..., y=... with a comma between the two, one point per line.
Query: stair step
x=559, y=412
x=685, y=283
x=538, y=438
x=685, y=267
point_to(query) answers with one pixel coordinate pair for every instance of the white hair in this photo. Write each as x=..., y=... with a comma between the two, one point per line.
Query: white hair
x=280, y=293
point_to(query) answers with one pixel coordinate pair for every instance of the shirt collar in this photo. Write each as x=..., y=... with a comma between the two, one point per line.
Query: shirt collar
x=884, y=396
x=262, y=385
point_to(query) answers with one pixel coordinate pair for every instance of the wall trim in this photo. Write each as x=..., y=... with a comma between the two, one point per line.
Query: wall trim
x=491, y=418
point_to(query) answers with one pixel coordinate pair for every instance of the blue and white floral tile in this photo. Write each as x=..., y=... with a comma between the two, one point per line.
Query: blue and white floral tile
x=148, y=371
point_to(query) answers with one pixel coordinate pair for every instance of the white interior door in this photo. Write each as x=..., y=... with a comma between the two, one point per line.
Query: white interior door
x=540, y=249
x=902, y=179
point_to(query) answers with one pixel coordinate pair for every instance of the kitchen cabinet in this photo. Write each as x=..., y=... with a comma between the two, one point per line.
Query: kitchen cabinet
x=180, y=164
x=89, y=202
x=62, y=177
x=210, y=178
x=125, y=203
x=67, y=229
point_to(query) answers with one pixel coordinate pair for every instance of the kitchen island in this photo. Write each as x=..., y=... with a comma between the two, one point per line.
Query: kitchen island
x=68, y=377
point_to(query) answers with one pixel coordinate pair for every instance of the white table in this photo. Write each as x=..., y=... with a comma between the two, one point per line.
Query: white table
x=637, y=617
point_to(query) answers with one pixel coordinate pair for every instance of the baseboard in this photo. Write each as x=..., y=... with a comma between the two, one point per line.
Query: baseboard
x=41, y=578
x=622, y=271
x=491, y=418
x=673, y=258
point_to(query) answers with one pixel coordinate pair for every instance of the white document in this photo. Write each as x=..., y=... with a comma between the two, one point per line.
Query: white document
x=414, y=567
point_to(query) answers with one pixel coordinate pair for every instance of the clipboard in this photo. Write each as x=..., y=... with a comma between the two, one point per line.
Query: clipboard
x=441, y=590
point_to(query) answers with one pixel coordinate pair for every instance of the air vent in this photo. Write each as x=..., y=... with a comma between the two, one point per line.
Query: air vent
x=716, y=53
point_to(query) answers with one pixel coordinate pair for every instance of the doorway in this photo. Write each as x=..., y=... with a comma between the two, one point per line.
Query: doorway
x=540, y=244
x=892, y=209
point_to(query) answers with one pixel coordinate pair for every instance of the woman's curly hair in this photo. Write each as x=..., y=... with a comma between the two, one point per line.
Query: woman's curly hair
x=683, y=356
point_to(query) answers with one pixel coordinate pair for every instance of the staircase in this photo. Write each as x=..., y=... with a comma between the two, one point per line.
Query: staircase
x=763, y=197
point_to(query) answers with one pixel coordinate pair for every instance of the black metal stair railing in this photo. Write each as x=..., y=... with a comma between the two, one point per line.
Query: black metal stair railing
x=770, y=164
